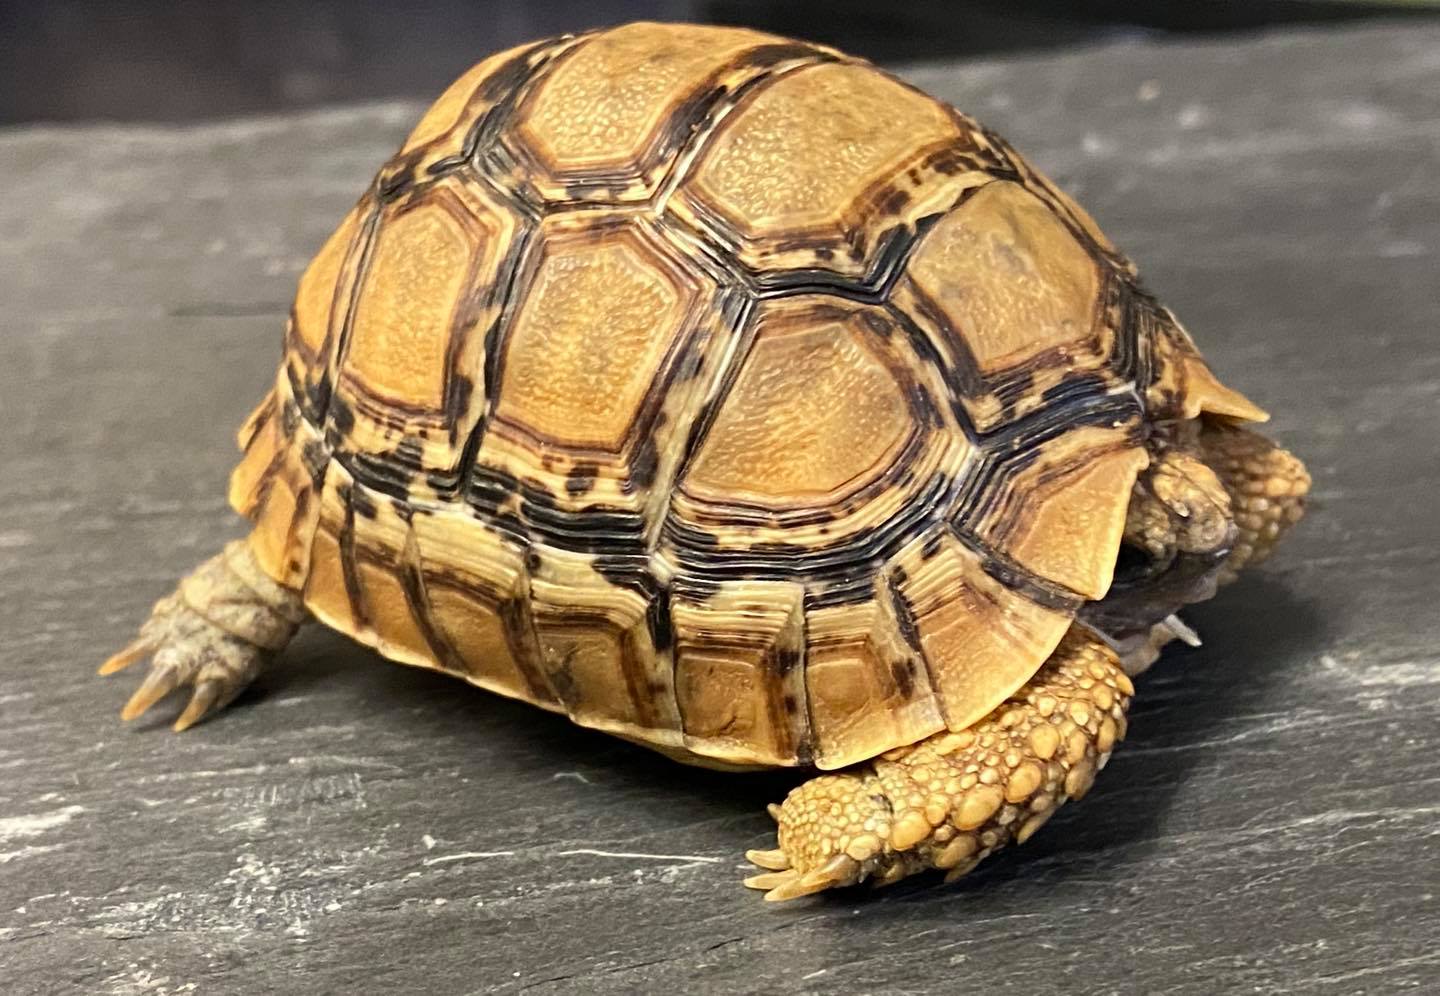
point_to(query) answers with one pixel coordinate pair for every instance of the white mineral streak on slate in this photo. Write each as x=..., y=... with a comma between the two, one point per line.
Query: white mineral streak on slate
x=1271, y=826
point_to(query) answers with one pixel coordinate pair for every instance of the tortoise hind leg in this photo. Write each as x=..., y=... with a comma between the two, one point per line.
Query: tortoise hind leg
x=954, y=798
x=213, y=634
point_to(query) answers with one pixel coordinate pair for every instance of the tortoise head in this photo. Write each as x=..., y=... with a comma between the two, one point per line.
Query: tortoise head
x=1215, y=497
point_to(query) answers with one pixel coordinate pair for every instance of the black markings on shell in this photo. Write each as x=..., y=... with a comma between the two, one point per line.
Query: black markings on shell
x=581, y=478
x=841, y=566
x=904, y=614
x=903, y=674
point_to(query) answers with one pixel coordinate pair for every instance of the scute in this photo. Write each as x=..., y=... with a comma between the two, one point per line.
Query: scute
x=273, y=484
x=315, y=299
x=451, y=112
x=408, y=380
x=830, y=442
x=320, y=310
x=612, y=108
x=601, y=313
x=980, y=637
x=401, y=330
x=1004, y=270
x=1062, y=516
x=475, y=583
x=1023, y=305
x=765, y=182
x=610, y=342
x=738, y=681
x=717, y=390
x=813, y=413
x=868, y=688
x=449, y=129
x=598, y=651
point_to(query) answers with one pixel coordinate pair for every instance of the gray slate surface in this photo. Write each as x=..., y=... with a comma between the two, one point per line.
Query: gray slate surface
x=355, y=826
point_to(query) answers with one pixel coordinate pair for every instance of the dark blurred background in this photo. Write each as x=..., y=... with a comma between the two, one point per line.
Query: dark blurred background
x=66, y=60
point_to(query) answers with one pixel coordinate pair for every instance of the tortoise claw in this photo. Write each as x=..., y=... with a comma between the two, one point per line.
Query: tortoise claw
x=216, y=666
x=138, y=649
x=208, y=696
x=771, y=880
x=164, y=678
x=770, y=860
x=964, y=868
x=839, y=870
x=889, y=876
x=792, y=884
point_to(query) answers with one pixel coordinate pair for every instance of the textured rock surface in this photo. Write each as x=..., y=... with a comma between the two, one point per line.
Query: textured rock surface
x=1270, y=825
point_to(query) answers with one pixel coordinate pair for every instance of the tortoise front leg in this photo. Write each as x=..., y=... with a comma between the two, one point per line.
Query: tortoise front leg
x=1208, y=505
x=214, y=633
x=1229, y=491
x=952, y=799
x=1267, y=484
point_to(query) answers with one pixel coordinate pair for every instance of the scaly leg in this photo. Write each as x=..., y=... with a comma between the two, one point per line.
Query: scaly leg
x=952, y=799
x=1267, y=487
x=213, y=633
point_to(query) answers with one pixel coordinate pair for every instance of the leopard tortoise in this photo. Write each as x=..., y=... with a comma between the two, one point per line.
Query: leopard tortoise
x=727, y=394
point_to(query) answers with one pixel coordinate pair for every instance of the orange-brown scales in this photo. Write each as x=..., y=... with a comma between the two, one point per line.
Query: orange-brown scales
x=725, y=393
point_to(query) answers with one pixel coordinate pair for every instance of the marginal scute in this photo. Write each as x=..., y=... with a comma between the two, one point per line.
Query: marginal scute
x=477, y=587
x=327, y=590
x=1204, y=393
x=390, y=588
x=980, y=639
x=739, y=675
x=868, y=690
x=598, y=650
x=1182, y=385
x=1063, y=515
x=273, y=486
x=264, y=442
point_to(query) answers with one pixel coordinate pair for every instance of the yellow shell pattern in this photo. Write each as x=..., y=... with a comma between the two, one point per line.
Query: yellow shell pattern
x=720, y=391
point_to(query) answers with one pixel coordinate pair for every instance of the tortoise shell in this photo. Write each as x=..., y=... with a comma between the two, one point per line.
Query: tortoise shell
x=718, y=390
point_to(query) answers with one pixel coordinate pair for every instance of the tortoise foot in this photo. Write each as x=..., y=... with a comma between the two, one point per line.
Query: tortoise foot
x=954, y=798
x=212, y=635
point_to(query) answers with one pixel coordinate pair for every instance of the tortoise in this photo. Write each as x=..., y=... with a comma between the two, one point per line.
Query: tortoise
x=727, y=394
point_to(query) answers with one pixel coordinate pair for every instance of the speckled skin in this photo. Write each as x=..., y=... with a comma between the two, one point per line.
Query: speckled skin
x=1267, y=487
x=728, y=395
x=952, y=800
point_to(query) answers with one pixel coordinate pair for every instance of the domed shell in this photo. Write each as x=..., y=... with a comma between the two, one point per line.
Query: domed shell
x=720, y=391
